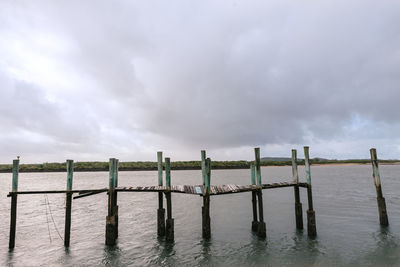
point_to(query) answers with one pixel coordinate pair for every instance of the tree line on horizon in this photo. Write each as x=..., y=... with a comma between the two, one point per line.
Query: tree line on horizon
x=175, y=165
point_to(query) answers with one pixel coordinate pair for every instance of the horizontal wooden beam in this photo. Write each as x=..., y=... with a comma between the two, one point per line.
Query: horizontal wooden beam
x=90, y=193
x=54, y=192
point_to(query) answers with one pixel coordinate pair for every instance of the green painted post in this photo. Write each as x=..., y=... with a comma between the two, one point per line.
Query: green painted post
x=203, y=166
x=70, y=173
x=254, y=223
x=208, y=175
x=253, y=173
x=15, y=175
x=111, y=233
x=160, y=210
x=169, y=230
x=307, y=164
x=258, y=168
x=261, y=231
x=160, y=168
x=295, y=171
x=297, y=206
x=111, y=174
x=168, y=173
x=383, y=218
x=13, y=221
x=116, y=173
x=311, y=224
x=68, y=202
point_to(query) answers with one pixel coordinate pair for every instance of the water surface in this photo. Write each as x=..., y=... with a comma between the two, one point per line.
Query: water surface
x=344, y=201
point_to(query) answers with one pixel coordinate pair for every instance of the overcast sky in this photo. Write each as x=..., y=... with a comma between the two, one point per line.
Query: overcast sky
x=89, y=80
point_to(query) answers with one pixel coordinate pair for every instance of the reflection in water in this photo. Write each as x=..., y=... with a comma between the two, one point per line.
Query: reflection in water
x=10, y=257
x=111, y=256
x=298, y=239
x=205, y=252
x=162, y=252
x=387, y=248
x=384, y=236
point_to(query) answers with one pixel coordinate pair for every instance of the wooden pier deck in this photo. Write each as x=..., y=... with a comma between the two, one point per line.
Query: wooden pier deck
x=183, y=189
x=214, y=189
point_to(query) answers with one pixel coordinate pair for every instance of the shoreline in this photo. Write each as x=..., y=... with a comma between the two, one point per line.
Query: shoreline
x=29, y=169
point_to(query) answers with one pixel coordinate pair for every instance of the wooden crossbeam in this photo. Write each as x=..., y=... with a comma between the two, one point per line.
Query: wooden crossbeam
x=184, y=189
x=55, y=192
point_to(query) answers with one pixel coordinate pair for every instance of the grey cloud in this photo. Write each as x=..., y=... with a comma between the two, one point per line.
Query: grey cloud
x=220, y=75
x=313, y=72
x=29, y=118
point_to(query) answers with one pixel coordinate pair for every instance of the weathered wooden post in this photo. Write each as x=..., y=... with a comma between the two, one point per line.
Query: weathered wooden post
x=297, y=206
x=115, y=210
x=68, y=202
x=203, y=166
x=206, y=220
x=161, y=210
x=111, y=234
x=254, y=223
x=169, y=231
x=204, y=178
x=261, y=231
x=13, y=220
x=311, y=225
x=383, y=218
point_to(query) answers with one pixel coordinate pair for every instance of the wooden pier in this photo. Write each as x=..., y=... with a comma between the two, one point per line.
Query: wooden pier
x=165, y=226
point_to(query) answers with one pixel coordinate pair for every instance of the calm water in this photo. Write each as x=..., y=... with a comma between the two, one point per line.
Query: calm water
x=344, y=200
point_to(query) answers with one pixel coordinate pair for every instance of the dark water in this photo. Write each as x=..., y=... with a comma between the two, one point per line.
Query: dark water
x=344, y=200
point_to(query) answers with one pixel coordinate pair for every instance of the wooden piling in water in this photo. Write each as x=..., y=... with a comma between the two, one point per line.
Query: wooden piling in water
x=311, y=224
x=160, y=210
x=13, y=220
x=261, y=231
x=169, y=229
x=383, y=218
x=116, y=197
x=68, y=203
x=205, y=202
x=297, y=205
x=111, y=224
x=254, y=223
x=206, y=220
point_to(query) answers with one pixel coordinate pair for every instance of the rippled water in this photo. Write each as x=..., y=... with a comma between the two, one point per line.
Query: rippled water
x=344, y=200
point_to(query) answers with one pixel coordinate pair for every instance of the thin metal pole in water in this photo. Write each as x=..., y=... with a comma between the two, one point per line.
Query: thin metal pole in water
x=13, y=220
x=297, y=206
x=383, y=218
x=68, y=201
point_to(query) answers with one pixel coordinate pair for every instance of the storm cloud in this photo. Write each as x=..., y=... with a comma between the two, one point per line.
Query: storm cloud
x=94, y=79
